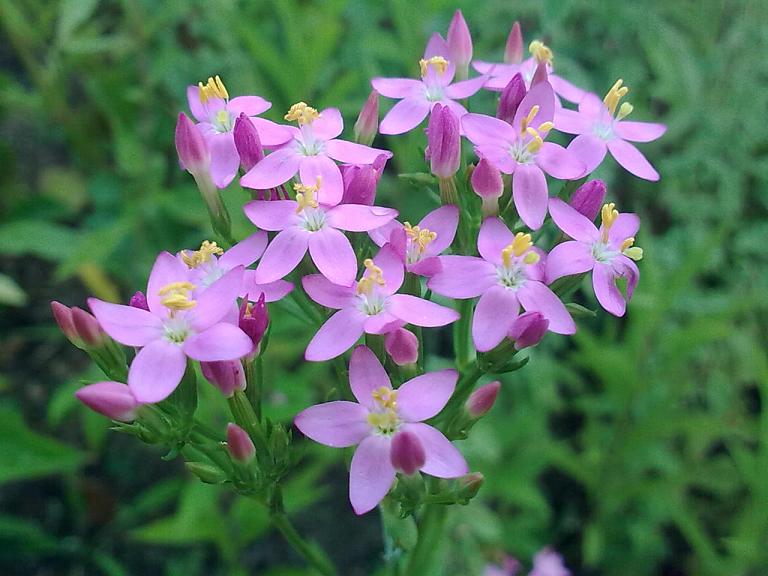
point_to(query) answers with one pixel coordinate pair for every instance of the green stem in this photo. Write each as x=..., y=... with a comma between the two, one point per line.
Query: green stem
x=246, y=418
x=310, y=553
x=461, y=330
x=424, y=556
x=254, y=378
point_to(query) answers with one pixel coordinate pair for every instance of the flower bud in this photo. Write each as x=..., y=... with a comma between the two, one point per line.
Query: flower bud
x=589, y=198
x=513, y=51
x=487, y=183
x=112, y=399
x=510, y=98
x=360, y=183
x=540, y=74
x=481, y=400
x=469, y=485
x=367, y=124
x=191, y=146
x=87, y=327
x=226, y=375
x=207, y=473
x=402, y=346
x=254, y=319
x=138, y=300
x=239, y=444
x=528, y=329
x=444, y=142
x=407, y=454
x=63, y=316
x=459, y=42
x=247, y=142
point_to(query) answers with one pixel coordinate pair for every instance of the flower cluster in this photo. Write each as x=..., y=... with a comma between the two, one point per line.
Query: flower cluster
x=503, y=270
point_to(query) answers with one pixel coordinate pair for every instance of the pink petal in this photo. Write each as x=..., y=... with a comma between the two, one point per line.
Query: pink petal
x=282, y=255
x=632, y=160
x=336, y=424
x=273, y=291
x=333, y=255
x=326, y=293
x=195, y=106
x=420, y=312
x=216, y=300
x=639, y=131
x=463, y=277
x=571, y=122
x=166, y=270
x=332, y=185
x=225, y=161
x=442, y=222
x=398, y=87
x=352, y=153
x=529, y=190
x=592, y=106
x=565, y=89
x=482, y=129
x=458, y=110
x=126, y=324
x=245, y=252
x=465, y=88
x=609, y=296
x=277, y=168
x=405, y=115
x=589, y=149
x=382, y=323
x=366, y=375
x=568, y=259
x=437, y=46
x=495, y=312
x=428, y=266
x=219, y=342
x=536, y=297
x=625, y=226
x=248, y=105
x=359, y=218
x=391, y=268
x=271, y=134
x=336, y=336
x=329, y=124
x=371, y=474
x=572, y=222
x=494, y=236
x=381, y=235
x=423, y=397
x=498, y=156
x=625, y=267
x=156, y=371
x=443, y=458
x=559, y=162
x=540, y=95
x=272, y=214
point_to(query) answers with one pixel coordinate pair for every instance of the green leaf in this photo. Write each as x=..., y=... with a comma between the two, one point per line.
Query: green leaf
x=10, y=292
x=73, y=13
x=37, y=238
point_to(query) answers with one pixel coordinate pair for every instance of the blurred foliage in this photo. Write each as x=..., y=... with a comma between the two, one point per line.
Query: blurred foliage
x=638, y=447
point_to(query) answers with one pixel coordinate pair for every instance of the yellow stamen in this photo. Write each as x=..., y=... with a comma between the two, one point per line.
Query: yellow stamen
x=608, y=213
x=437, y=62
x=176, y=296
x=385, y=397
x=518, y=247
x=537, y=142
x=616, y=93
x=302, y=114
x=529, y=118
x=541, y=52
x=213, y=88
x=305, y=194
x=384, y=421
x=375, y=276
x=629, y=249
x=624, y=110
x=420, y=236
x=194, y=258
x=531, y=258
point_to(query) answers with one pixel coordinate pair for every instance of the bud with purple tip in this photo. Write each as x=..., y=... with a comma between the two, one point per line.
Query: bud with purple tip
x=510, y=98
x=589, y=198
x=239, y=444
x=367, y=124
x=407, y=453
x=513, y=51
x=459, y=42
x=254, y=320
x=226, y=375
x=139, y=300
x=487, y=183
x=540, y=74
x=444, y=150
x=402, y=346
x=191, y=147
x=112, y=399
x=482, y=400
x=528, y=330
x=247, y=142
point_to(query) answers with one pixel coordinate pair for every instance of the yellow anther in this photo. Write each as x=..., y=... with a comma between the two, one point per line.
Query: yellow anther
x=375, y=276
x=306, y=194
x=624, y=110
x=175, y=296
x=546, y=126
x=518, y=247
x=529, y=118
x=531, y=258
x=420, y=236
x=302, y=114
x=629, y=249
x=608, y=213
x=385, y=422
x=541, y=52
x=614, y=95
x=537, y=142
x=437, y=62
x=385, y=397
x=194, y=258
x=213, y=88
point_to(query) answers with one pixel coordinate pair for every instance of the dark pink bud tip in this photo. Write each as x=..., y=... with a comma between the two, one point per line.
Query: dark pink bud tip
x=402, y=346
x=407, y=453
x=239, y=444
x=112, y=399
x=483, y=399
x=528, y=329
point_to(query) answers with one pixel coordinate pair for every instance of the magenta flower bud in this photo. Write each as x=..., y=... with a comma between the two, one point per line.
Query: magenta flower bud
x=510, y=98
x=444, y=142
x=589, y=198
x=513, y=51
x=487, y=183
x=254, y=319
x=367, y=124
x=63, y=316
x=87, y=327
x=360, y=181
x=407, y=453
x=482, y=399
x=247, y=142
x=459, y=42
x=540, y=74
x=226, y=375
x=402, y=346
x=138, y=300
x=112, y=399
x=528, y=329
x=239, y=444
x=191, y=147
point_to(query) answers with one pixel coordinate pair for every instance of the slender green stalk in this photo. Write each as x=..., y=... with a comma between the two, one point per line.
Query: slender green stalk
x=310, y=553
x=423, y=559
x=461, y=330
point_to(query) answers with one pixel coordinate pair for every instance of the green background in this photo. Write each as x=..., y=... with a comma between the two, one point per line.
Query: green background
x=639, y=446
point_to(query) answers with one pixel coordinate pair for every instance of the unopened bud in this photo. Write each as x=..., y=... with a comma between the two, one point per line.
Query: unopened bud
x=547, y=562
x=112, y=399
x=459, y=42
x=402, y=346
x=469, y=485
x=191, y=146
x=444, y=142
x=254, y=319
x=540, y=74
x=139, y=300
x=513, y=51
x=481, y=400
x=239, y=444
x=528, y=329
x=247, y=142
x=360, y=182
x=206, y=473
x=87, y=327
x=510, y=98
x=368, y=121
x=63, y=316
x=589, y=198
x=487, y=183
x=226, y=375
x=407, y=453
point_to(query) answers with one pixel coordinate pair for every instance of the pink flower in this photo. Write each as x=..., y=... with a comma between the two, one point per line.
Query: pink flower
x=361, y=180
x=608, y=252
x=519, y=149
x=305, y=224
x=600, y=126
x=418, y=97
x=175, y=327
x=547, y=562
x=509, y=274
x=311, y=153
x=216, y=115
x=444, y=142
x=370, y=306
x=112, y=399
x=419, y=246
x=375, y=421
x=459, y=42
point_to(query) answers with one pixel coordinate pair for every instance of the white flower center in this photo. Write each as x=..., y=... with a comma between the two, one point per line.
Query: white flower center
x=176, y=329
x=312, y=219
x=603, y=253
x=511, y=277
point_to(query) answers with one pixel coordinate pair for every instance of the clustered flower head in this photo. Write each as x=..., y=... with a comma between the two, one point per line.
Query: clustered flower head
x=325, y=250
